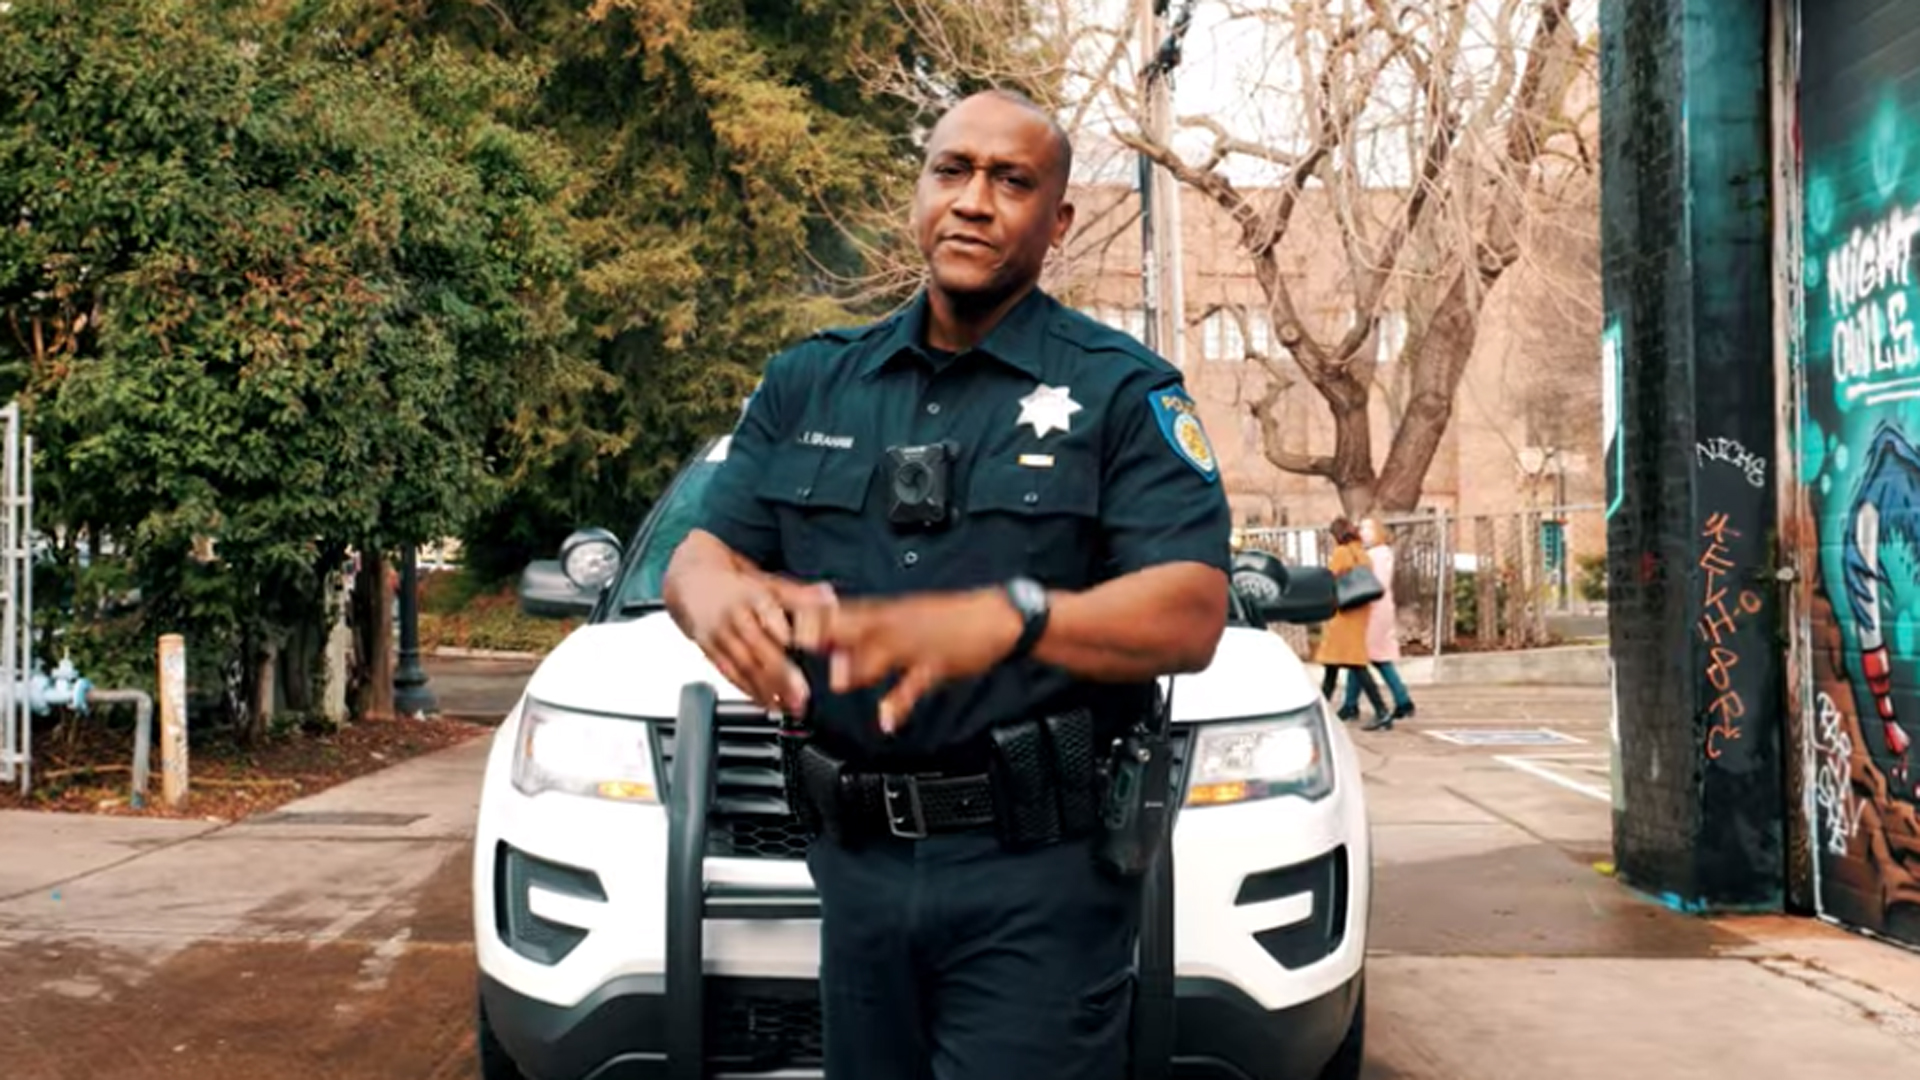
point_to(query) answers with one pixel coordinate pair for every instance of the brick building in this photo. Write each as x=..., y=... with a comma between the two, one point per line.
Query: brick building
x=1526, y=426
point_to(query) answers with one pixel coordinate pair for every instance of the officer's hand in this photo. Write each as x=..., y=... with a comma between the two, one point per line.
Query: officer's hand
x=744, y=624
x=925, y=639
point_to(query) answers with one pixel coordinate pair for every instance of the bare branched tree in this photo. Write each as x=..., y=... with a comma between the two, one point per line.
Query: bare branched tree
x=1435, y=141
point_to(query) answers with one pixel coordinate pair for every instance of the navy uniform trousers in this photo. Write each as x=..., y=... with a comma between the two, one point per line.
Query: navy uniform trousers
x=950, y=958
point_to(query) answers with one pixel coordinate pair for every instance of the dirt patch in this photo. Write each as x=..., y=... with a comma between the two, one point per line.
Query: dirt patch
x=86, y=766
x=223, y=1011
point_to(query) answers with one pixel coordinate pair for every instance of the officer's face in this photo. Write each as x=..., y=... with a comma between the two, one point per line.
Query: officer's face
x=991, y=199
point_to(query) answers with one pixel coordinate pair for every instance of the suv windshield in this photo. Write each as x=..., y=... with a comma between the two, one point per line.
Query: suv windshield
x=671, y=520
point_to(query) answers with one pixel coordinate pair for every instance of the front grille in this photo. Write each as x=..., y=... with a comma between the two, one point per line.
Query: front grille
x=751, y=818
x=537, y=939
x=1320, y=935
x=759, y=1032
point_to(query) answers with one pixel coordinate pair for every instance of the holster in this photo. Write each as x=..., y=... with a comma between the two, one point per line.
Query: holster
x=1045, y=780
x=822, y=794
x=1136, y=810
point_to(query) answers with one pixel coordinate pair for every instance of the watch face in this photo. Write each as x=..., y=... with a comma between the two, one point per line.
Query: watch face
x=1029, y=595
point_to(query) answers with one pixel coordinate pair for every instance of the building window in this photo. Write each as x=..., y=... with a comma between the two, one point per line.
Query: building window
x=1223, y=337
x=1127, y=320
x=1390, y=334
x=1260, y=329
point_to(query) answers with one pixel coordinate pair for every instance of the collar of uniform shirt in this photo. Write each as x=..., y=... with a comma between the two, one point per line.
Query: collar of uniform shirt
x=1016, y=340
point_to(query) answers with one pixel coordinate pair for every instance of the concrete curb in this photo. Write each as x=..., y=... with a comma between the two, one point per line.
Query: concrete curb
x=452, y=653
x=1569, y=665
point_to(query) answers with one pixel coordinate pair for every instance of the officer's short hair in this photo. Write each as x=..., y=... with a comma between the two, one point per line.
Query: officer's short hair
x=1062, y=143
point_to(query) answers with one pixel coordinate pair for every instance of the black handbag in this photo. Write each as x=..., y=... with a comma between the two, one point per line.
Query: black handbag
x=1356, y=588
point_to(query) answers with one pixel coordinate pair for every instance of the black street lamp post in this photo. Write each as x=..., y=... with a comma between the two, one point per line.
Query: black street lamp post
x=410, y=694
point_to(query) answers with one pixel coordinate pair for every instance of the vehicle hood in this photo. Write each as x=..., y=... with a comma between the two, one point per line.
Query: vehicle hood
x=637, y=668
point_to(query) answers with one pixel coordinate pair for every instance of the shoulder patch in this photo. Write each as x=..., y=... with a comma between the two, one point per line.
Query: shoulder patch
x=1179, y=420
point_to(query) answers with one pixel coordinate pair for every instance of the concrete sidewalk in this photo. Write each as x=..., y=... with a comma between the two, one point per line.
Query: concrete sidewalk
x=1500, y=948
x=315, y=869
x=337, y=932
x=330, y=938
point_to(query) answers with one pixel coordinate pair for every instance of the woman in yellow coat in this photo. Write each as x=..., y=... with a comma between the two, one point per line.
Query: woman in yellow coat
x=1343, y=646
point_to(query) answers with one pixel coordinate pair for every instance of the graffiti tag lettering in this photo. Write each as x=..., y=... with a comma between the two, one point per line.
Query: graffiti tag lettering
x=1719, y=620
x=1731, y=452
x=1867, y=279
x=1833, y=780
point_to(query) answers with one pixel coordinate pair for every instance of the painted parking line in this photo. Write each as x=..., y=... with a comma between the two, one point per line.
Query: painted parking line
x=1571, y=771
x=1493, y=737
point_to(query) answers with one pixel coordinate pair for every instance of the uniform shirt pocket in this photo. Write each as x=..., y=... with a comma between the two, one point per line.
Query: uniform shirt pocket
x=819, y=496
x=1036, y=519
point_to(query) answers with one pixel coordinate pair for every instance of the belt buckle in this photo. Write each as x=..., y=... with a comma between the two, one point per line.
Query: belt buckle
x=894, y=787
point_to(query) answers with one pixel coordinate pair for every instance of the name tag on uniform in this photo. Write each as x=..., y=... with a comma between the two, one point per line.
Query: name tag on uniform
x=1037, y=461
x=831, y=442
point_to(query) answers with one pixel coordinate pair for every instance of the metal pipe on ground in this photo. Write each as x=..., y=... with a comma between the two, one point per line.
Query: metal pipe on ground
x=142, y=733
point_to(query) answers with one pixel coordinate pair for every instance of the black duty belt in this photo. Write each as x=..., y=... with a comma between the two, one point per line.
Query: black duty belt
x=1039, y=788
x=913, y=806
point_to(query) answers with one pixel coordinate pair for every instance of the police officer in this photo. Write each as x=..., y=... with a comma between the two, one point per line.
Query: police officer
x=931, y=534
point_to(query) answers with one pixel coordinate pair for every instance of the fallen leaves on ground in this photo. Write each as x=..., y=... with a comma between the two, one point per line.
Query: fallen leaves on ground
x=84, y=766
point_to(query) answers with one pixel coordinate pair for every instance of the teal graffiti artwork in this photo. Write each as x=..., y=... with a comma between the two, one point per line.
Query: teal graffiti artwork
x=1819, y=216
x=1813, y=452
x=1889, y=151
x=1863, y=223
x=1859, y=451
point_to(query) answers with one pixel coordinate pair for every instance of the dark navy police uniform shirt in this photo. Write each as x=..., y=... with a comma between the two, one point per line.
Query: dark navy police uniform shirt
x=1080, y=457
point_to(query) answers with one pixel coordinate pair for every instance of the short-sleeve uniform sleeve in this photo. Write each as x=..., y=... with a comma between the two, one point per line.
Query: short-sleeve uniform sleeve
x=732, y=511
x=1161, y=500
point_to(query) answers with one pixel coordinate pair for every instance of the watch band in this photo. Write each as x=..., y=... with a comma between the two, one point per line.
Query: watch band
x=1029, y=598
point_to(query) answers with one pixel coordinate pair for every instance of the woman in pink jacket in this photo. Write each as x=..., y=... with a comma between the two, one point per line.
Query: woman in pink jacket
x=1383, y=635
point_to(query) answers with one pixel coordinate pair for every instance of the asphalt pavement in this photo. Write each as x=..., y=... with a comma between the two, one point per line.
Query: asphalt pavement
x=331, y=939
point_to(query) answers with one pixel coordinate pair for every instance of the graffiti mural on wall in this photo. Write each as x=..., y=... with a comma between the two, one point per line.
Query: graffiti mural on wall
x=1859, y=449
x=1723, y=610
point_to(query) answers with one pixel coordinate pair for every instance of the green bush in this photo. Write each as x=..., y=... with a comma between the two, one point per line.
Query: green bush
x=1592, y=582
x=1466, y=604
x=492, y=622
x=449, y=592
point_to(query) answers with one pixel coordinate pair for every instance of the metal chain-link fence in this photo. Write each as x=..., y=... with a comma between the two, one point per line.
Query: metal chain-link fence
x=1514, y=580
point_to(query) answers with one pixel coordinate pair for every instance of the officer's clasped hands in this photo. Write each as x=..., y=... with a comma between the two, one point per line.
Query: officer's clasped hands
x=748, y=627
x=926, y=639
x=744, y=624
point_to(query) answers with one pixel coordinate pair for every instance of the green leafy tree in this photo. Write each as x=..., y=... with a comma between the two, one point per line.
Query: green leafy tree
x=271, y=293
x=738, y=166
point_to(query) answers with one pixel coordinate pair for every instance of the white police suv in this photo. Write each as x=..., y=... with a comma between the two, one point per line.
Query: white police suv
x=642, y=907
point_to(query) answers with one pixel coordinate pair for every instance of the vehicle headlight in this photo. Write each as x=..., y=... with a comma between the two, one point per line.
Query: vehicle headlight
x=605, y=757
x=1259, y=759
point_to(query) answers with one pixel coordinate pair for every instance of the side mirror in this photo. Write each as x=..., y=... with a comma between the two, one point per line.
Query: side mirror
x=1275, y=592
x=545, y=593
x=590, y=558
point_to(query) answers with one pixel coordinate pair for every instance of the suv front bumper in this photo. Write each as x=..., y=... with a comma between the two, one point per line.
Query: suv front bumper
x=769, y=1027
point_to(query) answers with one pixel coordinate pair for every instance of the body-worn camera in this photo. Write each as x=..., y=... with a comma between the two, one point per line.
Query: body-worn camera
x=921, y=484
